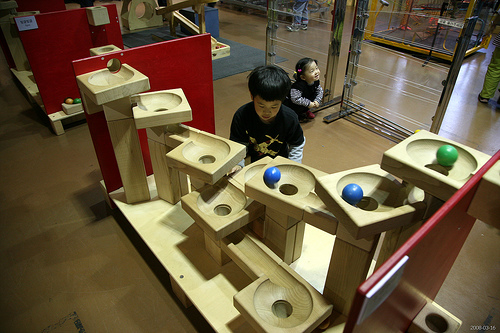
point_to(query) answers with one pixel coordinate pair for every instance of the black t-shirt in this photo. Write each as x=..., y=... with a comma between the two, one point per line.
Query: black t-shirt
x=266, y=139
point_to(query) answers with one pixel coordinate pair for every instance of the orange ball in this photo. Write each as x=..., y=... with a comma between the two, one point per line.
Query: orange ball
x=68, y=101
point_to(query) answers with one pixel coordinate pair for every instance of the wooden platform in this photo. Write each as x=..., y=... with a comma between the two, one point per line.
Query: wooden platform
x=178, y=243
x=27, y=79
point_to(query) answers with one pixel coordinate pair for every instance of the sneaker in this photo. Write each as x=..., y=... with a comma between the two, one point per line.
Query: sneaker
x=292, y=28
x=310, y=115
x=303, y=27
x=482, y=99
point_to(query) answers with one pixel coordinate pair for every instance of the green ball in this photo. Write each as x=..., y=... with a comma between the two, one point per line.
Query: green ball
x=447, y=155
x=77, y=100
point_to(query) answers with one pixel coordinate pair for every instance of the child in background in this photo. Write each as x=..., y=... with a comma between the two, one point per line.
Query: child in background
x=306, y=92
x=264, y=125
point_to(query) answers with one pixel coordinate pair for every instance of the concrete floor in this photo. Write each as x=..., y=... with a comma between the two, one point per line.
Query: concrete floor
x=68, y=262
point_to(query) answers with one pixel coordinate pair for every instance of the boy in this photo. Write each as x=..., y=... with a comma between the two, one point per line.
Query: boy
x=264, y=125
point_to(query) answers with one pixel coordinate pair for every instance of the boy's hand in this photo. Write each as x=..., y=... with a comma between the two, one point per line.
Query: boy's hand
x=234, y=171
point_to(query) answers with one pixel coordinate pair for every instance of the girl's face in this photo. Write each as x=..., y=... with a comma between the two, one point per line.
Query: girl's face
x=266, y=110
x=311, y=73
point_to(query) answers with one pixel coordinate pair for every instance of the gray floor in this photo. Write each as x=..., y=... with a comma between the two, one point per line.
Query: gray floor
x=68, y=261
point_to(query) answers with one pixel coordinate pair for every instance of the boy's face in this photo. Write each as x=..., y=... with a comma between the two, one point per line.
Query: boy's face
x=266, y=110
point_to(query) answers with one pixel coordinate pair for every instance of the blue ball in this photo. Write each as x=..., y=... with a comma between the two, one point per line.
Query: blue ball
x=352, y=193
x=272, y=175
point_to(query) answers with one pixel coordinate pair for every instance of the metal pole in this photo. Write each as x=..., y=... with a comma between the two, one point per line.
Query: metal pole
x=449, y=83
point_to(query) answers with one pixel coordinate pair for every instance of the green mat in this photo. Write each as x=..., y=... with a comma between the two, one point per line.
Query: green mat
x=243, y=58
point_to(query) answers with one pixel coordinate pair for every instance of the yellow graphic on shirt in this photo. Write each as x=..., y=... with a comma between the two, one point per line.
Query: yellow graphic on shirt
x=263, y=147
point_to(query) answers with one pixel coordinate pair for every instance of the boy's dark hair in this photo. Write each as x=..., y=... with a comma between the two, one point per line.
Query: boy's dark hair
x=301, y=66
x=270, y=82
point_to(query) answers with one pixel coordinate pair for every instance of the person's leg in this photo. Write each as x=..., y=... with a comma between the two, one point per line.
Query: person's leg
x=492, y=77
x=305, y=15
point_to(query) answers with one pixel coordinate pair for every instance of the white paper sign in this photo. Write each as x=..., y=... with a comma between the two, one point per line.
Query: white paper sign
x=26, y=23
x=451, y=23
x=379, y=293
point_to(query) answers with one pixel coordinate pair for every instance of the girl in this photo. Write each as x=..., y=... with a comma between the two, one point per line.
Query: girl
x=306, y=92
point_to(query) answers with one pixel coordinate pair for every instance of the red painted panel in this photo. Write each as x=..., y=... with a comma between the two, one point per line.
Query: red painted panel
x=181, y=63
x=432, y=250
x=62, y=37
x=44, y=6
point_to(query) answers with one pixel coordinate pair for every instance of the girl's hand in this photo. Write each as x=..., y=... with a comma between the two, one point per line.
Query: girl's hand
x=313, y=105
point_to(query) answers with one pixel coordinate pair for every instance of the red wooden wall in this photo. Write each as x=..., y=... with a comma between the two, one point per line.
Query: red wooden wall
x=43, y=6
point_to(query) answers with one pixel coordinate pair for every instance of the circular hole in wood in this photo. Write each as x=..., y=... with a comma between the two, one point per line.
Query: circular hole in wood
x=438, y=168
x=222, y=210
x=106, y=49
x=114, y=65
x=161, y=109
x=436, y=323
x=368, y=203
x=288, y=189
x=282, y=309
x=206, y=159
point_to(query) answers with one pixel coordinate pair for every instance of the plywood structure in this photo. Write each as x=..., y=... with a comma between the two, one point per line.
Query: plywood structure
x=179, y=54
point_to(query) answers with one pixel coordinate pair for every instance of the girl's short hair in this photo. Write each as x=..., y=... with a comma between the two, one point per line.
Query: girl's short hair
x=270, y=82
x=301, y=66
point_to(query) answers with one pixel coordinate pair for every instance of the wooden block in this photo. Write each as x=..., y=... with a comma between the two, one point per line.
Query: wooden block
x=251, y=255
x=280, y=240
x=118, y=109
x=107, y=85
x=129, y=158
x=434, y=318
x=282, y=302
x=166, y=178
x=72, y=108
x=384, y=206
x=258, y=227
x=213, y=247
x=281, y=218
x=97, y=15
x=221, y=50
x=484, y=205
x=207, y=157
x=103, y=49
x=221, y=209
x=290, y=193
x=348, y=269
x=393, y=239
x=181, y=295
x=176, y=134
x=414, y=160
x=299, y=240
x=160, y=108
x=90, y=106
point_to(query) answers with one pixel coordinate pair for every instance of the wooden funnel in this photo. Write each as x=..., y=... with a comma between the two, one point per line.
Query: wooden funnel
x=161, y=108
x=221, y=208
x=206, y=156
x=112, y=83
x=386, y=203
x=414, y=160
